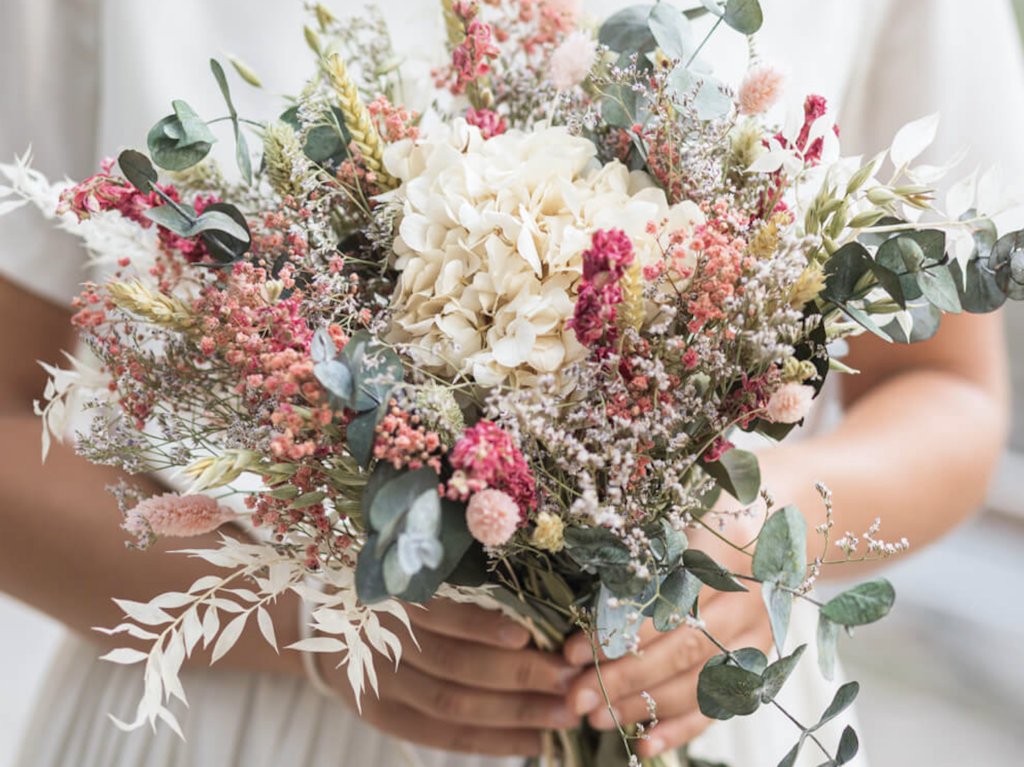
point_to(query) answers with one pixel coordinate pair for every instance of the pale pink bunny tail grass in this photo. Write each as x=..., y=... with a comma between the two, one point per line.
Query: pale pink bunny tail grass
x=175, y=516
x=790, y=403
x=760, y=89
x=492, y=516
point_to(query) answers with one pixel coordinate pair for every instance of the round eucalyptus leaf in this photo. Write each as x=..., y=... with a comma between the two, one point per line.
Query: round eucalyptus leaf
x=864, y=603
x=167, y=151
x=744, y=16
x=628, y=30
x=938, y=287
x=1007, y=262
x=323, y=143
x=925, y=319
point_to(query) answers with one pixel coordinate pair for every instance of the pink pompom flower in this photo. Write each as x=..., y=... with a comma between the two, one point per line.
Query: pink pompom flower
x=760, y=89
x=572, y=60
x=492, y=517
x=177, y=516
x=790, y=403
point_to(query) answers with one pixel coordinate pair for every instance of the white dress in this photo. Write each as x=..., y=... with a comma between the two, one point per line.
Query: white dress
x=92, y=76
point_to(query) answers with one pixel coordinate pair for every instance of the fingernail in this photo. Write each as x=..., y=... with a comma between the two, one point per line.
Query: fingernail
x=655, y=746
x=580, y=655
x=513, y=636
x=562, y=718
x=586, y=701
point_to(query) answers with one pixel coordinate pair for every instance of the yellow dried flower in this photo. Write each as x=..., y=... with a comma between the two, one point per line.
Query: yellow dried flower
x=746, y=144
x=766, y=241
x=798, y=371
x=548, y=534
x=633, y=306
x=357, y=120
x=158, y=308
x=282, y=153
x=807, y=287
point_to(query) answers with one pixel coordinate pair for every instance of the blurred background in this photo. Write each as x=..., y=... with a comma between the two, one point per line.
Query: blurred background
x=939, y=685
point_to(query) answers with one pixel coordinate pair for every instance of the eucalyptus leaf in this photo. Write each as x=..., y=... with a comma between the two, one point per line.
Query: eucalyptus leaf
x=781, y=553
x=751, y=659
x=779, y=604
x=395, y=498
x=676, y=596
x=848, y=746
x=455, y=540
x=370, y=586
x=864, y=603
x=628, y=30
x=738, y=473
x=323, y=144
x=744, y=16
x=827, y=637
x=775, y=676
x=137, y=168
x=841, y=701
x=731, y=688
x=218, y=221
x=166, y=147
x=171, y=217
x=890, y=282
x=322, y=348
x=360, y=434
x=1007, y=263
x=671, y=31
x=925, y=320
x=844, y=271
x=675, y=544
x=863, y=319
x=712, y=101
x=614, y=630
x=223, y=246
x=978, y=289
x=939, y=287
x=193, y=129
x=710, y=572
x=396, y=579
x=790, y=758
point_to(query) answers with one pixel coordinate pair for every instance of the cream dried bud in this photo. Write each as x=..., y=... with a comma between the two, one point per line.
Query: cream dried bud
x=839, y=220
x=245, y=72
x=216, y=472
x=869, y=218
x=858, y=179
x=881, y=195
x=312, y=40
x=549, y=533
x=273, y=289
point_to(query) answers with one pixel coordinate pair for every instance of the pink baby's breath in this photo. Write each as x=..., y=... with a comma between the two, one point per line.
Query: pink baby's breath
x=177, y=516
x=492, y=517
x=790, y=403
x=760, y=89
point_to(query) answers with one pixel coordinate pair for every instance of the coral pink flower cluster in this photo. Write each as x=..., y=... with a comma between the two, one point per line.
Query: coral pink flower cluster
x=403, y=441
x=487, y=457
x=176, y=516
x=394, y=123
x=720, y=263
x=604, y=265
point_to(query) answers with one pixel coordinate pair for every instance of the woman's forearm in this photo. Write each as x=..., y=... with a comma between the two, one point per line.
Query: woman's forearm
x=62, y=550
x=917, y=450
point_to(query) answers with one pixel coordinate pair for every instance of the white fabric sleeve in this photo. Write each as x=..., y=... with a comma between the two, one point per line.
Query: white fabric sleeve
x=962, y=60
x=50, y=94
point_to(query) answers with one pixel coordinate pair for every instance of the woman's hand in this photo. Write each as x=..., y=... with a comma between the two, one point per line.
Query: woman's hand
x=669, y=663
x=471, y=685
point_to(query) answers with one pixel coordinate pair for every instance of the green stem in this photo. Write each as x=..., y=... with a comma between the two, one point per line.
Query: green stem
x=703, y=42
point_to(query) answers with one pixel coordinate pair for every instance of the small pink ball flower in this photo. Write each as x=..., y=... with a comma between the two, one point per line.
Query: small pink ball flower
x=177, y=516
x=790, y=403
x=572, y=60
x=492, y=517
x=760, y=89
x=570, y=10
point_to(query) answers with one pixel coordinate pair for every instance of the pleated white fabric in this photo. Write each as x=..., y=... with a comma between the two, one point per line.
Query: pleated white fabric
x=93, y=75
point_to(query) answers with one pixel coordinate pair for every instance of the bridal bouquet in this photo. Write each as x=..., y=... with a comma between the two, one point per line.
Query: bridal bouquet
x=498, y=352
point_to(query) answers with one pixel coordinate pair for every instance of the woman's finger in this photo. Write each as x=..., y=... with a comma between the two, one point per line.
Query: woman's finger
x=456, y=703
x=491, y=668
x=466, y=621
x=672, y=733
x=673, y=696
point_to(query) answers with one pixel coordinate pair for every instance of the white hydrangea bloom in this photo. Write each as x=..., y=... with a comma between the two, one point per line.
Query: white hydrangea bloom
x=490, y=245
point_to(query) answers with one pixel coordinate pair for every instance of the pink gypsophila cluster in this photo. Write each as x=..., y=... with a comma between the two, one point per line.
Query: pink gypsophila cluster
x=604, y=265
x=403, y=441
x=487, y=457
x=177, y=516
x=719, y=266
x=394, y=123
x=492, y=517
x=490, y=123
